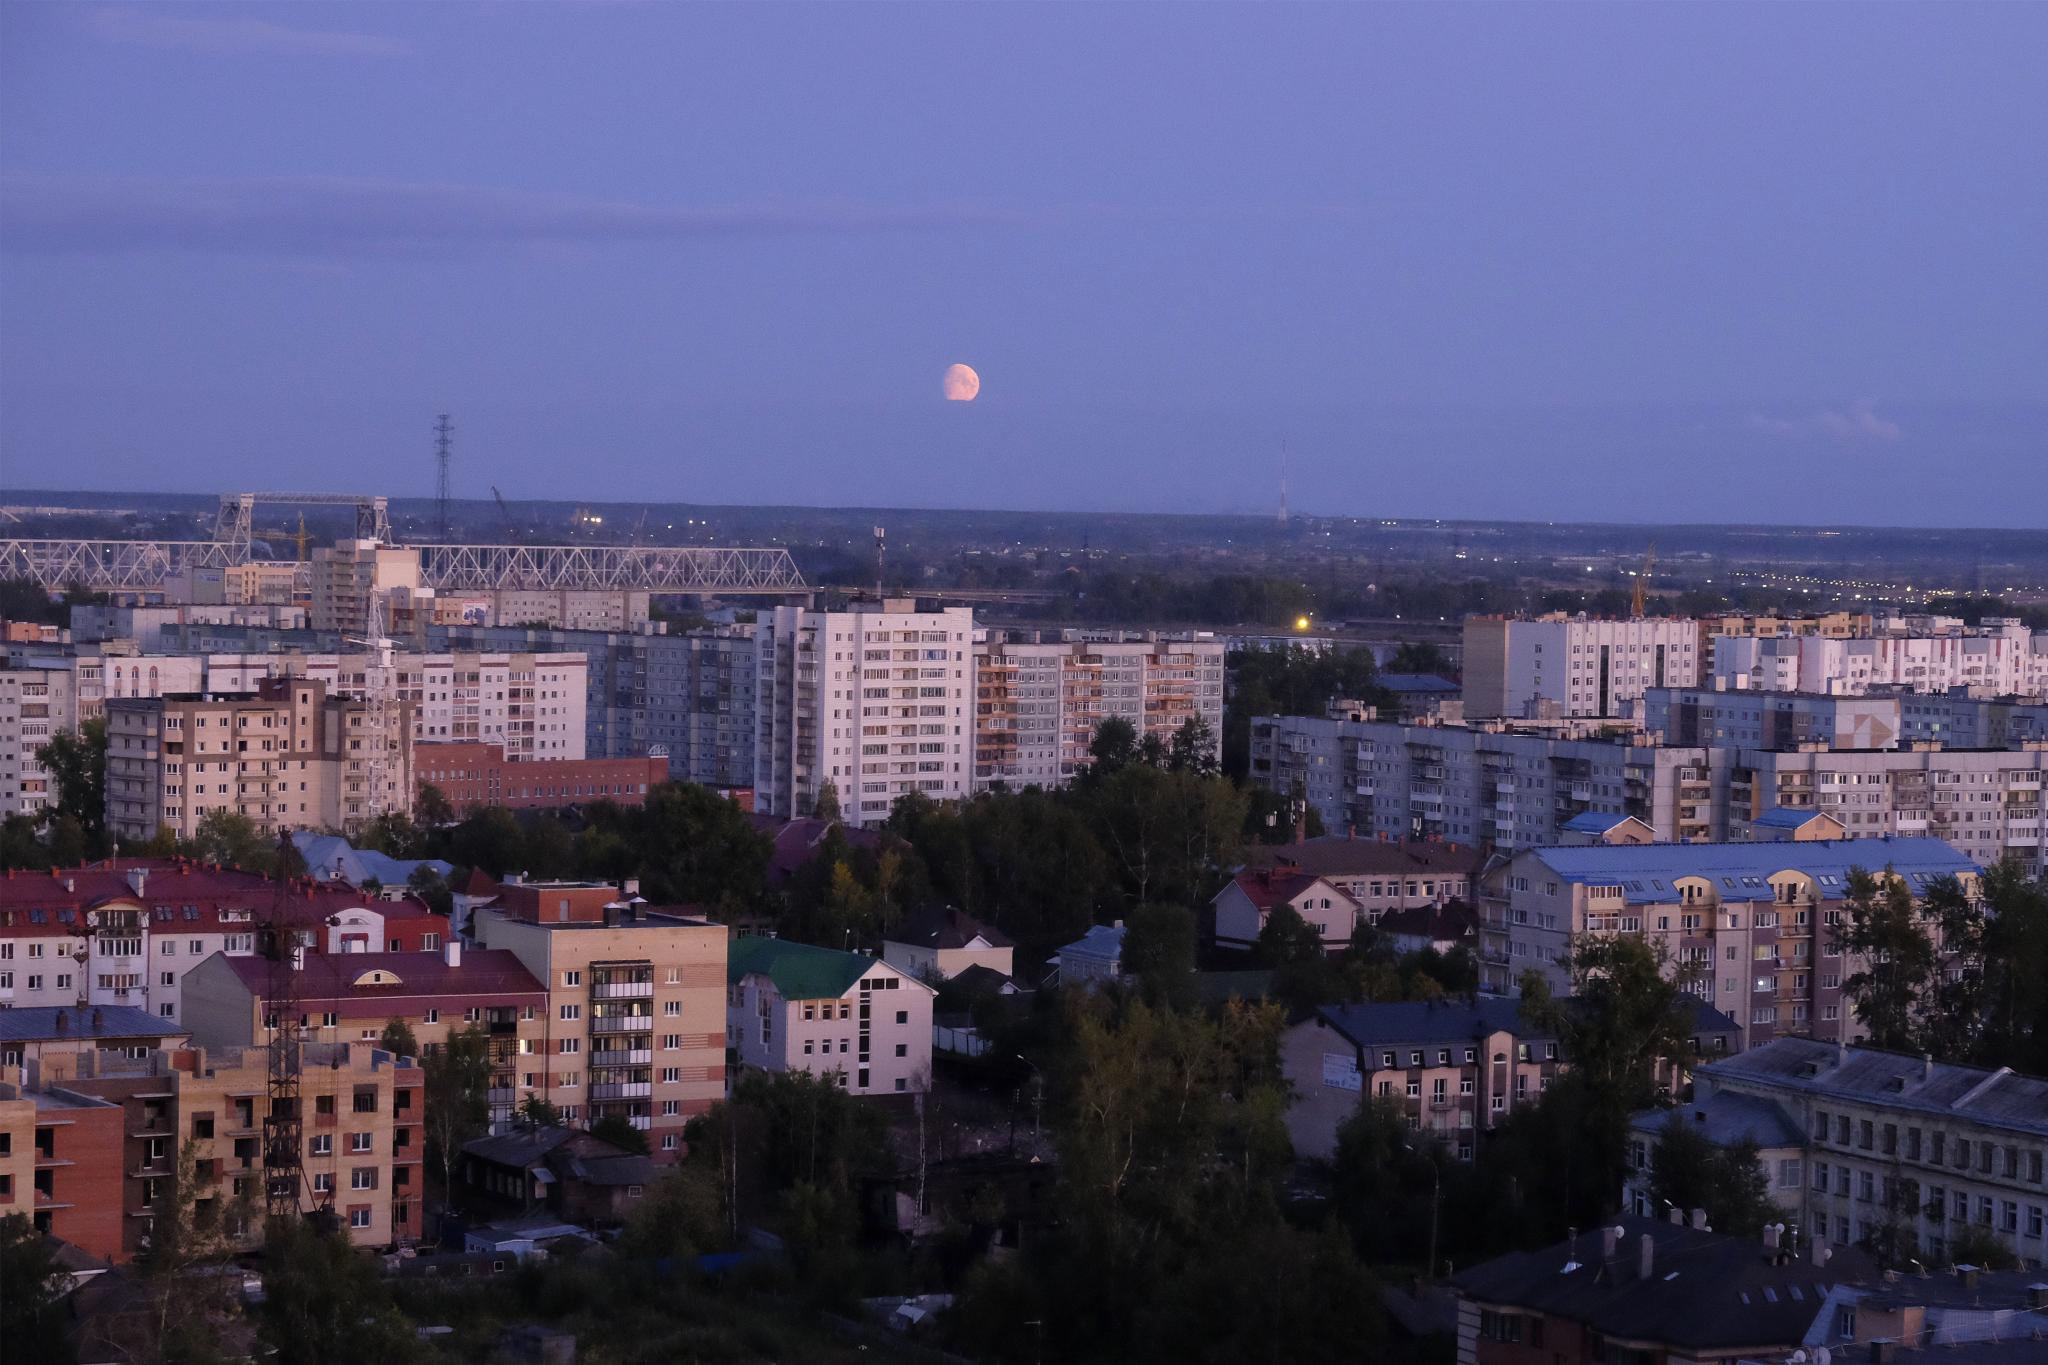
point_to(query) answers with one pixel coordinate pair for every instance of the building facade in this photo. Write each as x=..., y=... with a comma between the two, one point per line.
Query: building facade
x=794, y=1007
x=876, y=700
x=1905, y=1145
x=635, y=1021
x=1918, y=655
x=474, y=775
x=1770, y=720
x=1574, y=665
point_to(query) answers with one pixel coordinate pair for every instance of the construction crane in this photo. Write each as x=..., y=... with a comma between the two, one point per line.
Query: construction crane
x=511, y=531
x=1640, y=599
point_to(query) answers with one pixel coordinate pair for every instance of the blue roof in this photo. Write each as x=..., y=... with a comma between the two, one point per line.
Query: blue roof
x=1785, y=817
x=1417, y=682
x=40, y=1023
x=330, y=855
x=1104, y=941
x=1595, y=821
x=1741, y=872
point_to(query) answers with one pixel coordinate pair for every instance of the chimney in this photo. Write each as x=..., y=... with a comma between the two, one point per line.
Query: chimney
x=1926, y=1067
x=611, y=914
x=1699, y=1219
x=1609, y=1239
x=63, y=1022
x=1771, y=1236
x=1966, y=1276
x=630, y=887
x=138, y=877
x=451, y=951
x=99, y=1020
x=1646, y=1255
x=1678, y=1215
x=2037, y=1295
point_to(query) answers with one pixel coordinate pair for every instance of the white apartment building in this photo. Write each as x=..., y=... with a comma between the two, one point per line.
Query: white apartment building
x=1573, y=665
x=1776, y=720
x=2002, y=657
x=1931, y=1147
x=793, y=1007
x=876, y=700
x=1037, y=703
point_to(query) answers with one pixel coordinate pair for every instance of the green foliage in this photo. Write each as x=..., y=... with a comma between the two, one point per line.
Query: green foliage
x=397, y=1038
x=431, y=808
x=324, y=1303
x=1159, y=954
x=456, y=1080
x=233, y=840
x=1287, y=937
x=1291, y=682
x=77, y=766
x=682, y=1215
x=826, y=807
x=1418, y=657
x=1689, y=1172
x=1899, y=973
x=1980, y=1247
x=1384, y=1178
x=619, y=1131
x=1627, y=1012
x=432, y=889
x=19, y=845
x=537, y=1111
x=31, y=1289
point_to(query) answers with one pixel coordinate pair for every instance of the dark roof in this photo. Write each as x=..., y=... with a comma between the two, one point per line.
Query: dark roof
x=1450, y=921
x=1343, y=855
x=1705, y=1291
x=945, y=926
x=2001, y=1098
x=1270, y=887
x=799, y=970
x=979, y=978
x=519, y=1147
x=1423, y=683
x=1789, y=817
x=1427, y=1021
x=334, y=976
x=616, y=1167
x=1725, y=1119
x=1597, y=821
x=41, y=1023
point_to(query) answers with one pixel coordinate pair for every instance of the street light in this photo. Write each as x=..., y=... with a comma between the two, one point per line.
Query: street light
x=1436, y=1190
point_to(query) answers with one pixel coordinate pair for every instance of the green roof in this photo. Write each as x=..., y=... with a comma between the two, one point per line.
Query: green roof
x=799, y=971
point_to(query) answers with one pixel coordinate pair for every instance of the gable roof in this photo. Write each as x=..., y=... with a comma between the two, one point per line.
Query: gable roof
x=339, y=978
x=800, y=971
x=1597, y=821
x=793, y=843
x=329, y=856
x=1428, y=1021
x=1724, y=1119
x=1451, y=920
x=1270, y=887
x=1788, y=817
x=1705, y=1291
x=946, y=926
x=1741, y=872
x=1102, y=941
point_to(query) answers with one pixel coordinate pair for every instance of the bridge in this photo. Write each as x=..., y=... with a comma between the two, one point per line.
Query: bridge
x=140, y=566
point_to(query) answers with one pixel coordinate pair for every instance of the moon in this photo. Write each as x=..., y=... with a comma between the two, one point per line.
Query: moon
x=961, y=384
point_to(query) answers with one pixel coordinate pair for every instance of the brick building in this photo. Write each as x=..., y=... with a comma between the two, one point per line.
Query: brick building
x=473, y=775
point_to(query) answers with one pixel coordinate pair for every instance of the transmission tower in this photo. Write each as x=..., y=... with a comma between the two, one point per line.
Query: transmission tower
x=444, y=436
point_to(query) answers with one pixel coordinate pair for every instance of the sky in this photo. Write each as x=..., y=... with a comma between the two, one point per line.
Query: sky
x=1777, y=263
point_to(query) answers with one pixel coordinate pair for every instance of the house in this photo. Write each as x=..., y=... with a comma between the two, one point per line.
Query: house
x=795, y=1007
x=1242, y=908
x=531, y=1236
x=331, y=858
x=1439, y=928
x=1605, y=827
x=1453, y=1066
x=1723, y=1120
x=939, y=942
x=1649, y=1290
x=572, y=1174
x=1380, y=874
x=1782, y=824
x=1096, y=956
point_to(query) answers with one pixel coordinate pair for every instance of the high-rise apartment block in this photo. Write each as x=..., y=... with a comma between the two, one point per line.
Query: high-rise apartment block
x=876, y=700
x=1037, y=702
x=1573, y=665
x=635, y=1020
x=288, y=755
x=1918, y=654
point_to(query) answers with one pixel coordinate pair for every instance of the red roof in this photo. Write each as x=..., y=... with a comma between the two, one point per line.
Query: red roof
x=1339, y=855
x=479, y=884
x=1270, y=888
x=178, y=895
x=486, y=976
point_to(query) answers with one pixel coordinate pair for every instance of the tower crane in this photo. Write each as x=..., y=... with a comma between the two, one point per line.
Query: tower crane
x=1640, y=598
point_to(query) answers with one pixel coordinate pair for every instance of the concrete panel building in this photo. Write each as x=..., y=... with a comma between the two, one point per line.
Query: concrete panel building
x=1770, y=720
x=2002, y=656
x=876, y=700
x=1574, y=665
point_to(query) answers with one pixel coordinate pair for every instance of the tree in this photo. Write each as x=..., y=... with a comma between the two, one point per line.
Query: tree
x=394, y=835
x=1627, y=1013
x=1980, y=1247
x=1899, y=972
x=537, y=1111
x=190, y=1226
x=432, y=889
x=682, y=1215
x=397, y=1038
x=1382, y=1182
x=1687, y=1171
x=32, y=1285
x=1418, y=657
x=233, y=840
x=77, y=766
x=1287, y=937
x=432, y=809
x=1159, y=954
x=619, y=1131
x=325, y=1304
x=456, y=1087
x=826, y=807
x=699, y=848
x=491, y=839
x=1193, y=749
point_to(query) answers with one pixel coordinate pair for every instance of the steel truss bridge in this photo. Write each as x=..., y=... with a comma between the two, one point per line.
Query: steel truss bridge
x=147, y=565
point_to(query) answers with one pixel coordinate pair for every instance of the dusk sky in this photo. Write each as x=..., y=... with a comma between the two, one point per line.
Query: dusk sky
x=1654, y=262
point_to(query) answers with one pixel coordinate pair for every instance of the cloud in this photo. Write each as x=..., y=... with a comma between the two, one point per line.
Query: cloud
x=1859, y=422
x=238, y=36
x=339, y=217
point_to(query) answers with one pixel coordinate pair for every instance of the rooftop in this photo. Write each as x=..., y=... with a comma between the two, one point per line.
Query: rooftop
x=2003, y=1098
x=945, y=926
x=331, y=857
x=800, y=971
x=1268, y=887
x=41, y=1023
x=1343, y=855
x=382, y=977
x=181, y=891
x=1742, y=872
x=1725, y=1119
x=1104, y=941
x=1417, y=683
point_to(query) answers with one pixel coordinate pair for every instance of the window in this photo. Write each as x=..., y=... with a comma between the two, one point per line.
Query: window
x=361, y=1142
x=572, y=1012
x=362, y=1178
x=359, y=1216
x=572, y=979
x=671, y=1075
x=323, y=1182
x=323, y=1144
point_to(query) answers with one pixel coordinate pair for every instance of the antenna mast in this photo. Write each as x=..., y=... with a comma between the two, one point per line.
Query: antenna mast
x=444, y=435
x=1283, y=482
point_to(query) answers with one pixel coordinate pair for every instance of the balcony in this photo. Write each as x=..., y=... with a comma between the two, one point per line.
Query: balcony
x=626, y=1023
x=630, y=1090
x=623, y=990
x=632, y=1057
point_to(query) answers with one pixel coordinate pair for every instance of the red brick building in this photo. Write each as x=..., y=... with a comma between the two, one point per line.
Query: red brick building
x=472, y=775
x=60, y=1164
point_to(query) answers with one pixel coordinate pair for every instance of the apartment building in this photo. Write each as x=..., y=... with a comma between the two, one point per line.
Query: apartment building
x=1477, y=785
x=475, y=775
x=1749, y=924
x=290, y=754
x=1453, y=1067
x=688, y=696
x=1923, y=655
x=1382, y=876
x=351, y=997
x=125, y=933
x=1987, y=803
x=876, y=700
x=1726, y=1120
x=1770, y=720
x=1907, y=1143
x=794, y=1007
x=634, y=1025
x=1038, y=700
x=60, y=1165
x=353, y=582
x=361, y=1111
x=36, y=704
x=1962, y=718
x=1576, y=665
